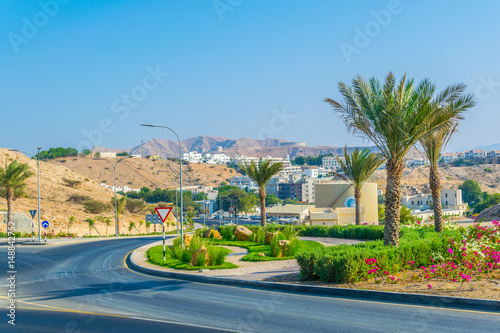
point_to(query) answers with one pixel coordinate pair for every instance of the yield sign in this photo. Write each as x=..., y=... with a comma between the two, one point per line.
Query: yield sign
x=163, y=212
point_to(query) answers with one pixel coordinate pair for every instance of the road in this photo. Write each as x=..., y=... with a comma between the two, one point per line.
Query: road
x=87, y=287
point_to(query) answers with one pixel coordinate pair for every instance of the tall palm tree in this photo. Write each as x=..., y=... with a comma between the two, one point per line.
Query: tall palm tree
x=71, y=221
x=13, y=183
x=394, y=116
x=433, y=145
x=358, y=168
x=261, y=174
x=91, y=223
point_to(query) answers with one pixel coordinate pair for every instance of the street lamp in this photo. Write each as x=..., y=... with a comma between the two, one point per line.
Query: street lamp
x=114, y=176
x=37, y=158
x=180, y=173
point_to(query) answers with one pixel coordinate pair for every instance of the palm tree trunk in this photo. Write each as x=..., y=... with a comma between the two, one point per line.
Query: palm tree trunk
x=393, y=202
x=10, y=199
x=435, y=184
x=357, y=197
x=262, y=197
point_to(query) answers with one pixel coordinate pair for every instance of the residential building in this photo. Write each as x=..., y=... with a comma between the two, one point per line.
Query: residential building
x=312, y=173
x=243, y=182
x=450, y=199
x=478, y=153
x=290, y=170
x=331, y=163
x=192, y=157
x=290, y=191
x=107, y=155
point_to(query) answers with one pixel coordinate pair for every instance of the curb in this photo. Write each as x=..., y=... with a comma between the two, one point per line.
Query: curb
x=415, y=299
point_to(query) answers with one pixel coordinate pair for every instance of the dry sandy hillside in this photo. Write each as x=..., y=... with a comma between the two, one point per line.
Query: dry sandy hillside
x=451, y=177
x=54, y=195
x=139, y=172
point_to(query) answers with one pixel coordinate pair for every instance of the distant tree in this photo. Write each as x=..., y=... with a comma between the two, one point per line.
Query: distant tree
x=71, y=182
x=488, y=201
x=71, y=221
x=135, y=205
x=381, y=212
x=107, y=221
x=123, y=154
x=261, y=173
x=357, y=168
x=405, y=215
x=91, y=223
x=272, y=200
x=148, y=224
x=13, y=183
x=86, y=152
x=131, y=226
x=93, y=206
x=200, y=196
x=141, y=222
x=471, y=192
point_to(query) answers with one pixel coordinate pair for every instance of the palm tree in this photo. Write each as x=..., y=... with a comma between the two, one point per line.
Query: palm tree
x=107, y=221
x=71, y=221
x=13, y=183
x=433, y=145
x=120, y=206
x=141, y=222
x=130, y=227
x=394, y=117
x=91, y=223
x=261, y=174
x=358, y=168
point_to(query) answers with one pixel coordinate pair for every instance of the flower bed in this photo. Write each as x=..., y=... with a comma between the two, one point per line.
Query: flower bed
x=458, y=254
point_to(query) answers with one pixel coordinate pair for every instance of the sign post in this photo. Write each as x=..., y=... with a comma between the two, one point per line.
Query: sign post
x=45, y=225
x=163, y=213
x=33, y=213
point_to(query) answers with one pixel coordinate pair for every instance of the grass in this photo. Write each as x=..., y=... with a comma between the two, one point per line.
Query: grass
x=255, y=248
x=155, y=256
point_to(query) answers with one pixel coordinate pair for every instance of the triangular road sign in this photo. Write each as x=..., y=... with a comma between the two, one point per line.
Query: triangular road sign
x=33, y=213
x=163, y=212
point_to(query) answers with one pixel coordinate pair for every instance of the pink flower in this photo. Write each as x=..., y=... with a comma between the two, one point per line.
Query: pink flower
x=386, y=272
x=371, y=261
x=429, y=286
x=450, y=251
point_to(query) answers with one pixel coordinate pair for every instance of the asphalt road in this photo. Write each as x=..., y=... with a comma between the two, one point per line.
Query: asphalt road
x=87, y=287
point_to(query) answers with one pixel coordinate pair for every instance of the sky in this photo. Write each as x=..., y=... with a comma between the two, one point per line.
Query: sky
x=84, y=73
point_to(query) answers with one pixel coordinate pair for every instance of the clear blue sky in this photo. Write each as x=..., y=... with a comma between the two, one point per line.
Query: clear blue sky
x=238, y=69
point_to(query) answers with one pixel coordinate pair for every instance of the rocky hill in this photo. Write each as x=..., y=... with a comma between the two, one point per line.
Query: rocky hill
x=138, y=172
x=416, y=180
x=55, y=207
x=490, y=214
x=232, y=147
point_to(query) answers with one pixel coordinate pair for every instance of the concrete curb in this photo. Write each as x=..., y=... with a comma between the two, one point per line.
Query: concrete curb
x=417, y=299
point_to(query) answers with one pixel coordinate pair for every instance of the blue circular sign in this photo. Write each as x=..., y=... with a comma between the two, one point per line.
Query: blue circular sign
x=350, y=202
x=45, y=224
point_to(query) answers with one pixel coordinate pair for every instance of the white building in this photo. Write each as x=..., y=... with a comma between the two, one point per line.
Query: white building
x=450, y=199
x=243, y=182
x=192, y=157
x=107, y=155
x=217, y=158
x=312, y=173
x=416, y=162
x=290, y=170
x=331, y=163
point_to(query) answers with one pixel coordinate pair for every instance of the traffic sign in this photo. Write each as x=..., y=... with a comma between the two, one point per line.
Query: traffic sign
x=33, y=213
x=163, y=212
x=231, y=209
x=45, y=224
x=153, y=218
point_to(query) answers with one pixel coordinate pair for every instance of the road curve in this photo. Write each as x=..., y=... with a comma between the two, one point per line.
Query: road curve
x=86, y=287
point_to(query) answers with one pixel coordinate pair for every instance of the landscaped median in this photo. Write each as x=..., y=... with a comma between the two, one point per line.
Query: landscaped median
x=206, y=248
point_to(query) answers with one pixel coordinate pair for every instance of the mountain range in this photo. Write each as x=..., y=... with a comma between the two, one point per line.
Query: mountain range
x=231, y=147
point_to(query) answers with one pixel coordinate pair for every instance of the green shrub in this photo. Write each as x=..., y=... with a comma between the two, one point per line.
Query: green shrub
x=136, y=205
x=78, y=198
x=346, y=263
x=93, y=206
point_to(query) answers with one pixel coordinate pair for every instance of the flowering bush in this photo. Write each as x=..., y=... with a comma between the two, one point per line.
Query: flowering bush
x=458, y=254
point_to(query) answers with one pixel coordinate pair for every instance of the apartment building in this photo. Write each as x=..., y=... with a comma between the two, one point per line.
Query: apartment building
x=331, y=163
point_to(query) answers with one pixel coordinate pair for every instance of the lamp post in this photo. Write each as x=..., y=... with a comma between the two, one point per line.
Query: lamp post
x=37, y=158
x=114, y=177
x=180, y=176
